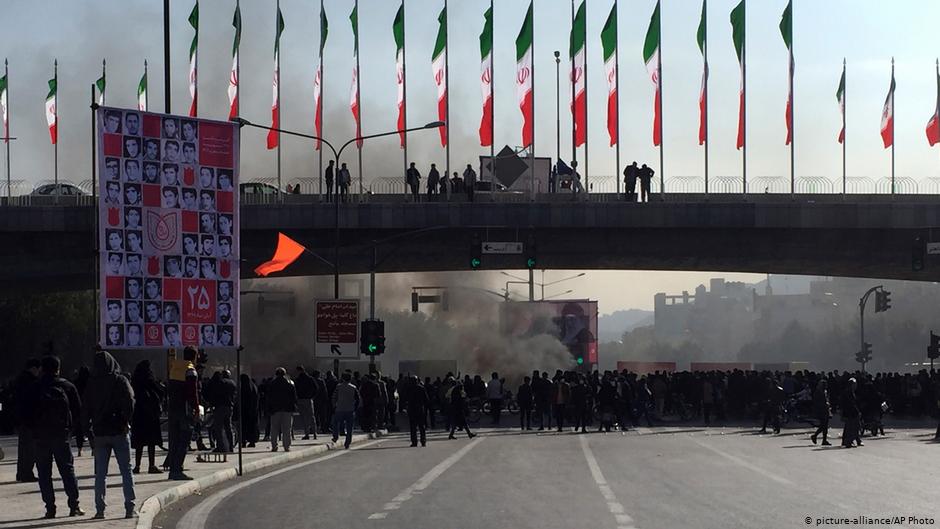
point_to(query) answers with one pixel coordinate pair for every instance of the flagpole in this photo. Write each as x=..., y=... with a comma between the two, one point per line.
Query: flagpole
x=404, y=87
x=617, y=88
x=6, y=132
x=574, y=108
x=277, y=22
x=532, y=124
x=587, y=186
x=196, y=72
x=358, y=99
x=744, y=103
x=319, y=109
x=492, y=101
x=55, y=145
x=662, y=158
x=705, y=110
x=447, y=88
x=166, y=55
x=845, y=137
x=792, y=67
x=893, y=115
x=96, y=266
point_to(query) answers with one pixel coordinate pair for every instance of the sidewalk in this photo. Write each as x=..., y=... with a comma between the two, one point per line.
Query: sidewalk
x=23, y=507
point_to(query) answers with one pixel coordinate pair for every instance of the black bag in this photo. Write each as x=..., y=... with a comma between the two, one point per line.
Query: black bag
x=114, y=422
x=53, y=417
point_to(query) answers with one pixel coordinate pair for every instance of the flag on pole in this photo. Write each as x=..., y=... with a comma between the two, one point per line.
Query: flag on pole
x=524, y=88
x=194, y=22
x=4, y=110
x=100, y=84
x=933, y=126
x=52, y=118
x=887, y=115
x=786, y=29
x=840, y=96
x=233, y=78
x=439, y=67
x=578, y=71
x=609, y=43
x=354, y=91
x=651, y=57
x=398, y=29
x=142, y=91
x=288, y=251
x=318, y=80
x=486, y=79
x=276, y=104
x=737, y=34
x=702, y=37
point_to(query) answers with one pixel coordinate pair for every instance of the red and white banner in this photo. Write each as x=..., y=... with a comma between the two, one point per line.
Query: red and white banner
x=168, y=203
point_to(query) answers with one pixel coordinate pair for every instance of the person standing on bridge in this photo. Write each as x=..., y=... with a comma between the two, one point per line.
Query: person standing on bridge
x=630, y=174
x=646, y=180
x=434, y=179
x=470, y=181
x=343, y=180
x=823, y=411
x=413, y=179
x=345, y=404
x=328, y=179
x=417, y=403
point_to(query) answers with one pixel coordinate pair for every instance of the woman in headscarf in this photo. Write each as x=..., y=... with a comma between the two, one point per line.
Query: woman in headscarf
x=145, y=425
x=249, y=404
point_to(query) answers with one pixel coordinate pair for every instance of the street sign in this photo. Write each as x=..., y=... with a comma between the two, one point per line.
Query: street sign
x=337, y=329
x=933, y=248
x=502, y=248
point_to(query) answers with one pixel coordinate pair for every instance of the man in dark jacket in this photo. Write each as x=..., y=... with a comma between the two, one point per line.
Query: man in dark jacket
x=25, y=451
x=434, y=178
x=524, y=398
x=182, y=410
x=223, y=400
x=417, y=404
x=107, y=413
x=822, y=410
x=282, y=403
x=850, y=416
x=55, y=408
x=630, y=174
x=306, y=393
x=321, y=403
x=328, y=177
x=413, y=179
x=458, y=409
x=369, y=392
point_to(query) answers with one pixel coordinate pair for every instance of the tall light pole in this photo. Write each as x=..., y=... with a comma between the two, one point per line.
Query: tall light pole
x=557, y=111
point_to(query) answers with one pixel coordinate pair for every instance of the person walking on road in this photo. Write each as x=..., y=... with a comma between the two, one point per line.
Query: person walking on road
x=145, y=423
x=850, y=416
x=107, y=413
x=823, y=411
x=417, y=403
x=328, y=178
x=413, y=179
x=345, y=404
x=282, y=403
x=55, y=409
x=494, y=394
x=25, y=449
x=458, y=410
x=182, y=410
x=524, y=398
x=306, y=394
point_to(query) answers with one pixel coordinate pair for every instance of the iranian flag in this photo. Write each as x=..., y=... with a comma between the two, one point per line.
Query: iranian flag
x=354, y=91
x=398, y=29
x=737, y=34
x=524, y=70
x=840, y=96
x=318, y=80
x=786, y=29
x=887, y=115
x=52, y=117
x=194, y=22
x=233, y=77
x=486, y=79
x=654, y=66
x=275, y=102
x=933, y=126
x=142, y=91
x=609, y=42
x=578, y=71
x=4, y=109
x=702, y=38
x=439, y=67
x=100, y=84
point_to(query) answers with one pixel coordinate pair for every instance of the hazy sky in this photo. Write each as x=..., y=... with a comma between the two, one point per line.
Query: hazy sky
x=866, y=32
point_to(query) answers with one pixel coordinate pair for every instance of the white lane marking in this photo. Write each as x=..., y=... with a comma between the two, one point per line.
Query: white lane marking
x=198, y=516
x=743, y=463
x=624, y=521
x=425, y=481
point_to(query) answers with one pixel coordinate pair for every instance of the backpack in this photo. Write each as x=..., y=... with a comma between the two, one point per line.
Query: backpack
x=53, y=415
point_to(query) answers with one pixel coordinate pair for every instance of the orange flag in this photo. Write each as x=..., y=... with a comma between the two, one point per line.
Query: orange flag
x=288, y=250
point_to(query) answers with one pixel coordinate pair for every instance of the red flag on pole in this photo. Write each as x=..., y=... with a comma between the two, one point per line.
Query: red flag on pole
x=288, y=251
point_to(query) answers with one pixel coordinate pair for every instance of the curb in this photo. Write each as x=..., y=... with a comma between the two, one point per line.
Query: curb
x=155, y=504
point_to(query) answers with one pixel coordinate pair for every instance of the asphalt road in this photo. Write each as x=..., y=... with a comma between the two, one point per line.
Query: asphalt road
x=661, y=477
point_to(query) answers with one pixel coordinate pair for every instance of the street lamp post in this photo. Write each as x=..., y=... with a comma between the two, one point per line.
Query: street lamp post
x=543, y=284
x=557, y=110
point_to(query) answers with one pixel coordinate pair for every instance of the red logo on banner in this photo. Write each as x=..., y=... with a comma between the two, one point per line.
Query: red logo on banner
x=189, y=175
x=153, y=266
x=114, y=217
x=198, y=301
x=153, y=335
x=162, y=230
x=190, y=335
x=225, y=269
x=114, y=287
x=216, y=144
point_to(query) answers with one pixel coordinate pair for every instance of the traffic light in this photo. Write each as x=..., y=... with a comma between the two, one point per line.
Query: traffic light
x=414, y=302
x=882, y=300
x=372, y=342
x=933, y=351
x=476, y=252
x=918, y=254
x=864, y=356
x=530, y=253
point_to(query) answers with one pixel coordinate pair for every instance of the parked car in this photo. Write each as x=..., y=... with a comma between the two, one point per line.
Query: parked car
x=257, y=188
x=68, y=190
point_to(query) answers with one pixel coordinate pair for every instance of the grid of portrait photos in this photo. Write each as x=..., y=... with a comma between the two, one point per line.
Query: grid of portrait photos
x=168, y=230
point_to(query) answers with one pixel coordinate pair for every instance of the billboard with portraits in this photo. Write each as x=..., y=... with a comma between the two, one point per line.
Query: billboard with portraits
x=573, y=322
x=168, y=230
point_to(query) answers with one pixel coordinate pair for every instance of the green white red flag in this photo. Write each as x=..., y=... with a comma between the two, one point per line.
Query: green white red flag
x=193, y=49
x=52, y=117
x=933, y=126
x=318, y=80
x=398, y=30
x=840, y=96
x=737, y=35
x=4, y=108
x=524, y=86
x=101, y=83
x=578, y=73
x=486, y=79
x=786, y=29
x=354, y=91
x=273, y=136
x=702, y=38
x=887, y=115
x=142, y=91
x=651, y=49
x=233, y=77
x=609, y=43
x=439, y=68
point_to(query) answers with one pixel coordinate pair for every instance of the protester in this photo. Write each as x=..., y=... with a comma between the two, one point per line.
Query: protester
x=145, y=424
x=328, y=179
x=249, y=412
x=823, y=411
x=850, y=416
x=23, y=387
x=434, y=179
x=470, y=181
x=494, y=394
x=413, y=179
x=524, y=398
x=182, y=410
x=345, y=404
x=223, y=398
x=417, y=403
x=306, y=388
x=282, y=403
x=458, y=411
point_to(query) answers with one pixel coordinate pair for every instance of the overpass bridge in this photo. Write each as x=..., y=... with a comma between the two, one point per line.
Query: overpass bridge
x=50, y=247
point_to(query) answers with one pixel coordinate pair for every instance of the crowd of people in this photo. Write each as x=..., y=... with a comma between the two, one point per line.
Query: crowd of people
x=115, y=411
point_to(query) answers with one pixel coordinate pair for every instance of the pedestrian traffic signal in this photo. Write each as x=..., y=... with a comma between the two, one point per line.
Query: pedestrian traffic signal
x=476, y=252
x=372, y=342
x=918, y=254
x=882, y=300
x=414, y=302
x=933, y=350
x=864, y=356
x=530, y=253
